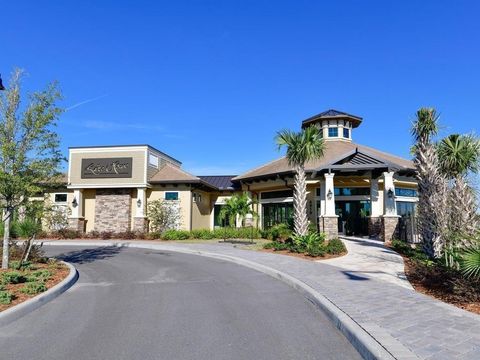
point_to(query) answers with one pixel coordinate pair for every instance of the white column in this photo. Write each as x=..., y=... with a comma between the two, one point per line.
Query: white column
x=142, y=201
x=389, y=205
x=77, y=204
x=376, y=208
x=329, y=195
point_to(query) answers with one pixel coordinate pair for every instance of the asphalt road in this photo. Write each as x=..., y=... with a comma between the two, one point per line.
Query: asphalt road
x=142, y=304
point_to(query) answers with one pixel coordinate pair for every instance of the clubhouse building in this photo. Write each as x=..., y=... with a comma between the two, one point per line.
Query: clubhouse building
x=352, y=190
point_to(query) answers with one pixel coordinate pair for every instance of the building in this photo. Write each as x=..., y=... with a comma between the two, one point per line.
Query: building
x=353, y=189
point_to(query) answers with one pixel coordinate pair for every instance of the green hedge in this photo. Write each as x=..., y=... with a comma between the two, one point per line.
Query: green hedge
x=205, y=234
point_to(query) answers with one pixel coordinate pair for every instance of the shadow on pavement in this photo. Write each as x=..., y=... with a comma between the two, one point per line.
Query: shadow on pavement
x=90, y=255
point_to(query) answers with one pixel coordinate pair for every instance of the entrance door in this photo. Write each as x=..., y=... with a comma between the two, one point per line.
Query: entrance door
x=352, y=216
x=277, y=213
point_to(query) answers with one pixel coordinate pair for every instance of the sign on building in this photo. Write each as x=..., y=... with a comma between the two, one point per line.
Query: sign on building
x=107, y=168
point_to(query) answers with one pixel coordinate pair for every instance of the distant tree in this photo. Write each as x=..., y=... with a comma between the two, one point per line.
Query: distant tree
x=304, y=146
x=29, y=147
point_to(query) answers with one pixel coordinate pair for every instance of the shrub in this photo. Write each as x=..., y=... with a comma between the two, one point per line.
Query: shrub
x=126, y=235
x=175, y=235
x=310, y=243
x=28, y=228
x=470, y=263
x=279, y=232
x=105, y=235
x=33, y=288
x=12, y=277
x=67, y=234
x=6, y=297
x=236, y=233
x=335, y=246
x=154, y=235
x=93, y=234
x=164, y=215
x=203, y=234
x=43, y=274
x=15, y=264
x=269, y=245
x=278, y=246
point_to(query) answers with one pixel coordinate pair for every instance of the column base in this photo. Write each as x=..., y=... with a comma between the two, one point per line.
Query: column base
x=77, y=224
x=375, y=227
x=329, y=226
x=140, y=224
x=390, y=229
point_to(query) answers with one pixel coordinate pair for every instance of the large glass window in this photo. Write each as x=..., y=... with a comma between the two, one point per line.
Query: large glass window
x=333, y=132
x=171, y=195
x=278, y=213
x=217, y=221
x=405, y=208
x=405, y=192
x=346, y=133
x=60, y=198
x=351, y=191
x=276, y=194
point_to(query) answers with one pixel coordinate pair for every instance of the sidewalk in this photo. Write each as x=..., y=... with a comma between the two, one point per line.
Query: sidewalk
x=406, y=323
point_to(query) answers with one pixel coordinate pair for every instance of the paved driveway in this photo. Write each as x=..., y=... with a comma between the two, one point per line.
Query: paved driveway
x=147, y=304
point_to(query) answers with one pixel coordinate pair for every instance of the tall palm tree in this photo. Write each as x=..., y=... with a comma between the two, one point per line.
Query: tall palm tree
x=432, y=186
x=459, y=155
x=302, y=147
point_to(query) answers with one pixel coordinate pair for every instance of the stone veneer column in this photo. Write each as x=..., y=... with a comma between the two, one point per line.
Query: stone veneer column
x=112, y=210
x=390, y=217
x=140, y=221
x=76, y=220
x=375, y=220
x=329, y=220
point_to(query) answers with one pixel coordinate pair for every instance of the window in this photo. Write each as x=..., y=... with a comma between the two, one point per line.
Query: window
x=171, y=195
x=153, y=160
x=333, y=132
x=405, y=208
x=406, y=192
x=197, y=197
x=60, y=198
x=346, y=133
x=276, y=194
x=317, y=192
x=346, y=191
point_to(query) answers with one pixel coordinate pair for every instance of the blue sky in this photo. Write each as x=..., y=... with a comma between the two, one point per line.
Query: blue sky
x=209, y=82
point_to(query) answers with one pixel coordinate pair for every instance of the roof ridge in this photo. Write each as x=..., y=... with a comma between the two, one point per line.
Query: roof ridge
x=179, y=169
x=382, y=152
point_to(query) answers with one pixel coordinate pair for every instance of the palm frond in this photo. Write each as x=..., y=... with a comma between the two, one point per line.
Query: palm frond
x=470, y=265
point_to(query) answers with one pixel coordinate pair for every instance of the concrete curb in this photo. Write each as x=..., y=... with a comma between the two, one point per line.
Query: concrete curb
x=368, y=347
x=22, y=309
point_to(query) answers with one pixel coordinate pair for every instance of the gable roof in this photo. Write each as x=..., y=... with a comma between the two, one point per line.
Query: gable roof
x=222, y=182
x=333, y=114
x=169, y=173
x=335, y=152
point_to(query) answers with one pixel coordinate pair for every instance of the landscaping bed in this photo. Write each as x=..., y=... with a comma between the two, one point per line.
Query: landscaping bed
x=304, y=256
x=434, y=279
x=34, y=278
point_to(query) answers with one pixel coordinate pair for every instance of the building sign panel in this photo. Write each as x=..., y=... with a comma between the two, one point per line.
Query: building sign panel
x=107, y=168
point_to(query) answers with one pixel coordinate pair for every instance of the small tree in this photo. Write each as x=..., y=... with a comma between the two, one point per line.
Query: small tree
x=238, y=205
x=29, y=147
x=163, y=215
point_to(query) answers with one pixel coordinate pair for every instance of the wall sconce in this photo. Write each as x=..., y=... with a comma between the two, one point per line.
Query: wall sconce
x=74, y=202
x=390, y=193
x=329, y=194
x=139, y=203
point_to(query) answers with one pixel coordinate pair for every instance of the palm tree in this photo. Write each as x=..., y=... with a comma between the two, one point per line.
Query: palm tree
x=303, y=146
x=238, y=205
x=459, y=155
x=432, y=186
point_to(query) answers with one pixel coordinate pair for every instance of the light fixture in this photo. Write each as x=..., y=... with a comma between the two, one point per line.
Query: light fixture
x=390, y=193
x=329, y=194
x=1, y=84
x=74, y=202
x=139, y=203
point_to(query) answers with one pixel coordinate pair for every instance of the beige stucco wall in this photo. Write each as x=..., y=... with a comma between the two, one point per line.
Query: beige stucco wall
x=184, y=201
x=89, y=209
x=202, y=211
x=138, y=167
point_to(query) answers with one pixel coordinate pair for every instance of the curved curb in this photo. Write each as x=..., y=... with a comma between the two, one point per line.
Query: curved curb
x=22, y=309
x=368, y=347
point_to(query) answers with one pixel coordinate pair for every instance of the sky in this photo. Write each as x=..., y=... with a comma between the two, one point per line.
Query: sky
x=211, y=82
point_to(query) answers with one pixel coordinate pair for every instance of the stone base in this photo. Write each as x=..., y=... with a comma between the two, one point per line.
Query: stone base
x=140, y=224
x=375, y=227
x=329, y=226
x=390, y=228
x=77, y=224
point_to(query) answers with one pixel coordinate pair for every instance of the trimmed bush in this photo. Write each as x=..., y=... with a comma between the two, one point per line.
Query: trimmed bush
x=33, y=288
x=335, y=247
x=6, y=297
x=280, y=232
x=203, y=234
x=176, y=235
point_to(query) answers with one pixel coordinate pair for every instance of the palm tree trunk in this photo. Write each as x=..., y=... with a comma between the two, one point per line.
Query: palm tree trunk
x=300, y=223
x=463, y=211
x=6, y=237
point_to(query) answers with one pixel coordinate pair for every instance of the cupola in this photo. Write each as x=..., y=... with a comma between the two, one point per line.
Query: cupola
x=335, y=125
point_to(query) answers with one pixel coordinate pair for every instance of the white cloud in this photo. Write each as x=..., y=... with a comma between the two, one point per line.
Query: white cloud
x=85, y=102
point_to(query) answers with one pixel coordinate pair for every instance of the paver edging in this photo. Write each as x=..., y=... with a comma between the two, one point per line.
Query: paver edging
x=368, y=347
x=22, y=309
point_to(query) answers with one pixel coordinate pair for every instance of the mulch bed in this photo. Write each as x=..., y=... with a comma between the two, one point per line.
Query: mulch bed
x=58, y=270
x=304, y=256
x=443, y=284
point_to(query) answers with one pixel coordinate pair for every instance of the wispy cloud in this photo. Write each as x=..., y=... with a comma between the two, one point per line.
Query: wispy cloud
x=110, y=125
x=85, y=102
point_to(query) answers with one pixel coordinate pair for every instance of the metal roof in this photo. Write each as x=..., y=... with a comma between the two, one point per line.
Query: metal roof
x=332, y=113
x=222, y=182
